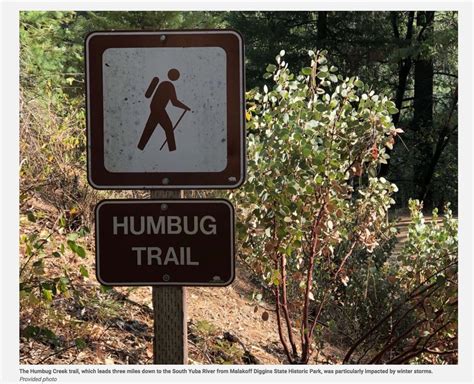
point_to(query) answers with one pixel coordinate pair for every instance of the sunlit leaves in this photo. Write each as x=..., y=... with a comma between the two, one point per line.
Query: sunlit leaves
x=311, y=135
x=429, y=257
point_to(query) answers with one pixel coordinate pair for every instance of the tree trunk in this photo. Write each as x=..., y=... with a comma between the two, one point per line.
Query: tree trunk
x=443, y=139
x=404, y=67
x=322, y=29
x=422, y=124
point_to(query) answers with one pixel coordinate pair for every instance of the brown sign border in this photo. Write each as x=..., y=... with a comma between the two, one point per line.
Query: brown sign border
x=166, y=201
x=232, y=176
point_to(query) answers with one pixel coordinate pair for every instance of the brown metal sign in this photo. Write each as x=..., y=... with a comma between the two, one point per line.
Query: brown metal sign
x=165, y=242
x=165, y=109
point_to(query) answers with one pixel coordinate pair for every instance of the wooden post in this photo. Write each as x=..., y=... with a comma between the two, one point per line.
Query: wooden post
x=170, y=343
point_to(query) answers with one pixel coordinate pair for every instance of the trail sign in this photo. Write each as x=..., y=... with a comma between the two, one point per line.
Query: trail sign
x=165, y=242
x=165, y=109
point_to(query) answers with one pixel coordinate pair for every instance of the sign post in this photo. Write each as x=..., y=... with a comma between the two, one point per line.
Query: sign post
x=170, y=344
x=165, y=112
x=168, y=243
x=170, y=328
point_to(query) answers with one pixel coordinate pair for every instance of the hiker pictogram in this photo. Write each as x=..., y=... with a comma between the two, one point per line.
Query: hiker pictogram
x=158, y=115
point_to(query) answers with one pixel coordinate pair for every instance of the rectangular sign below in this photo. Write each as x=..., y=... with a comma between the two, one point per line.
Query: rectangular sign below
x=165, y=109
x=165, y=242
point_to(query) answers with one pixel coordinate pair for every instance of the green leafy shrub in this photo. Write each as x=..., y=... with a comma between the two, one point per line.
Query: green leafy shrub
x=52, y=119
x=312, y=197
x=41, y=254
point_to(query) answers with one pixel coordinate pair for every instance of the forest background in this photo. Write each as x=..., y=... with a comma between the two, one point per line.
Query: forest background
x=410, y=57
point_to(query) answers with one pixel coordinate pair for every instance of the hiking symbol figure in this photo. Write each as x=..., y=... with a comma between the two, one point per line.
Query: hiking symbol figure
x=158, y=115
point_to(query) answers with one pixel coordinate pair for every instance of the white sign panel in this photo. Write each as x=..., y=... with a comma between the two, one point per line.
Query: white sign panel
x=200, y=135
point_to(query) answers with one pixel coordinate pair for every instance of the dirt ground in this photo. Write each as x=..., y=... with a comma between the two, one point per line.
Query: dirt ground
x=124, y=336
x=87, y=326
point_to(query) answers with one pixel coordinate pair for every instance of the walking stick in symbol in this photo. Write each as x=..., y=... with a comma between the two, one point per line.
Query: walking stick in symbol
x=166, y=140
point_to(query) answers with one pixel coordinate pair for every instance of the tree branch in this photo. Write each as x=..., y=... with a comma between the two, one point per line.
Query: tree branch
x=285, y=305
x=306, y=336
x=280, y=327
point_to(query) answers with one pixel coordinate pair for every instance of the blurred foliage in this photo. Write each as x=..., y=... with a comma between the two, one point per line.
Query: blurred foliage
x=416, y=306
